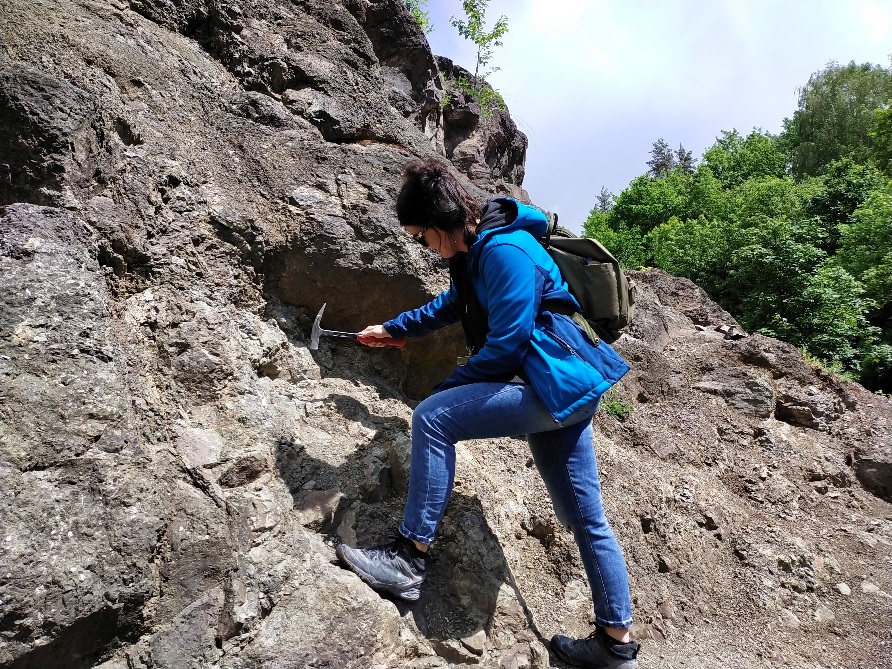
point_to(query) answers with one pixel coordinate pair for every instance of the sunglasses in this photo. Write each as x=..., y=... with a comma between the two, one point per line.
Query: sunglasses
x=420, y=238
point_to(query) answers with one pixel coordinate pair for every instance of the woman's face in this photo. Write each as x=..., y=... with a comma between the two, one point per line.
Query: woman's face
x=445, y=243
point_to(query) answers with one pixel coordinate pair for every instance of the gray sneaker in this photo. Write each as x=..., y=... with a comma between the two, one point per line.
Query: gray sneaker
x=596, y=651
x=397, y=568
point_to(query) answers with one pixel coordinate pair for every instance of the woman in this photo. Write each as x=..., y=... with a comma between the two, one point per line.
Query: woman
x=533, y=370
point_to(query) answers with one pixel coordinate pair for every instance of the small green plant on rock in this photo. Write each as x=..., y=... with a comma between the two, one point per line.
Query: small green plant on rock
x=831, y=368
x=474, y=29
x=614, y=406
x=486, y=96
x=422, y=18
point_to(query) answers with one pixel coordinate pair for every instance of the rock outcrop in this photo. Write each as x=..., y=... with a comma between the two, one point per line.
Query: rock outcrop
x=487, y=148
x=182, y=185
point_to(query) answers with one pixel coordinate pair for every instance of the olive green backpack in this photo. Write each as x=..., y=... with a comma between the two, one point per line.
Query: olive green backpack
x=595, y=279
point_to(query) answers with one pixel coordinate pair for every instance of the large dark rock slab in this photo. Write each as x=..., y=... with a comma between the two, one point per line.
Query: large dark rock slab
x=82, y=515
x=742, y=390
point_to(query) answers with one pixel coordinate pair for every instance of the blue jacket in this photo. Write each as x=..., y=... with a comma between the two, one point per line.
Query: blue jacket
x=512, y=275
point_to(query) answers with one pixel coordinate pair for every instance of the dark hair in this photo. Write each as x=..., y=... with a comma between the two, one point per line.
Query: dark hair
x=432, y=197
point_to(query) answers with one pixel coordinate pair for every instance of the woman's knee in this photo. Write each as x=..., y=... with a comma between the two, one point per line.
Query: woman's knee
x=578, y=507
x=424, y=415
x=566, y=517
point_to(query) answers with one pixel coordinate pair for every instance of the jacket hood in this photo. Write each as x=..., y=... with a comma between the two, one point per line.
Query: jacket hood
x=503, y=214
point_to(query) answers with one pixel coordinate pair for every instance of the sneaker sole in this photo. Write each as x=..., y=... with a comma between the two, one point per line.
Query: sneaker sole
x=409, y=594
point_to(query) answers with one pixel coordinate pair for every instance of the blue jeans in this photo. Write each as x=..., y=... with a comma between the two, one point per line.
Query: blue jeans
x=563, y=453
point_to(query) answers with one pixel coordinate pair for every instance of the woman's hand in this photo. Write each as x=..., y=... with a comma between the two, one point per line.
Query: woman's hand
x=371, y=333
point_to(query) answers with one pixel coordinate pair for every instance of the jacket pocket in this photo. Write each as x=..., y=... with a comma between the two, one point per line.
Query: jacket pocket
x=568, y=374
x=601, y=356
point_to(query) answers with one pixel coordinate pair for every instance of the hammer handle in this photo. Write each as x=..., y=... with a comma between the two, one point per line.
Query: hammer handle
x=339, y=335
x=387, y=341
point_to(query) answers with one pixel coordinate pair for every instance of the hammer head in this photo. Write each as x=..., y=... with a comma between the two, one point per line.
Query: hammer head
x=317, y=328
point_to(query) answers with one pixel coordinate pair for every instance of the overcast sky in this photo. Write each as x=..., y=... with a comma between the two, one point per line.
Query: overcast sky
x=593, y=83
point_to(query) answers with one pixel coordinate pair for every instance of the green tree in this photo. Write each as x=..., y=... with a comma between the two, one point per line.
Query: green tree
x=418, y=9
x=866, y=252
x=662, y=159
x=706, y=197
x=625, y=243
x=866, y=245
x=649, y=201
x=844, y=186
x=881, y=138
x=604, y=201
x=828, y=318
x=806, y=257
x=836, y=112
x=698, y=249
x=474, y=29
x=774, y=197
x=684, y=160
x=733, y=158
x=769, y=264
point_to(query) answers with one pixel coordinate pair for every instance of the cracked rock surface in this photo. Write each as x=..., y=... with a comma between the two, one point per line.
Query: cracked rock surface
x=182, y=186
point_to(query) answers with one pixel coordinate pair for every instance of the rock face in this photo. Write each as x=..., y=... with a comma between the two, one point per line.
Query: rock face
x=488, y=149
x=182, y=185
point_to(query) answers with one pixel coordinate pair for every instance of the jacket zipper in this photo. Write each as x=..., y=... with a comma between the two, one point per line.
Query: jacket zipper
x=551, y=333
x=559, y=340
x=568, y=347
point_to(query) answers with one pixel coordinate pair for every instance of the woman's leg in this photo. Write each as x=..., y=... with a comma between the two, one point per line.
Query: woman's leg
x=566, y=461
x=477, y=410
x=474, y=411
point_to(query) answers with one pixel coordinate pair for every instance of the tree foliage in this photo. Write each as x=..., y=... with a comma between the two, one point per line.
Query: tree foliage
x=604, y=200
x=662, y=159
x=649, y=201
x=418, y=10
x=835, y=116
x=866, y=247
x=881, y=138
x=845, y=186
x=698, y=249
x=626, y=243
x=794, y=249
x=733, y=158
x=684, y=159
x=474, y=28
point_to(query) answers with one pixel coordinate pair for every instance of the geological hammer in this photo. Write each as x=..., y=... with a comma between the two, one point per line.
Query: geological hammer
x=317, y=331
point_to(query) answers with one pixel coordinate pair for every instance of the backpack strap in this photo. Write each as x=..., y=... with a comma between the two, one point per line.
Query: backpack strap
x=545, y=240
x=558, y=307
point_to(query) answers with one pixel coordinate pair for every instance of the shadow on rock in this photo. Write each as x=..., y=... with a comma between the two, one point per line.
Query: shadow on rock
x=359, y=502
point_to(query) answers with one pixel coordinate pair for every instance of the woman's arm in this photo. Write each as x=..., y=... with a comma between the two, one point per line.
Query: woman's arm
x=438, y=313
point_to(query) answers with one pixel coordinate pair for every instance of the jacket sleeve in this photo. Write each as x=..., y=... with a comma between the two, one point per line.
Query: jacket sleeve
x=443, y=310
x=513, y=285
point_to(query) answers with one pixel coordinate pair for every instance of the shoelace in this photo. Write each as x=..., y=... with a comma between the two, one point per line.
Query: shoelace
x=384, y=550
x=398, y=544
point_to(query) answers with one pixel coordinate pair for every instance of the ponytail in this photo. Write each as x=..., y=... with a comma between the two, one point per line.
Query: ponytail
x=431, y=197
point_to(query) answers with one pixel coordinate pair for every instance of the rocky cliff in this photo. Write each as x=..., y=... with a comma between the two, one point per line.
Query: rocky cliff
x=183, y=184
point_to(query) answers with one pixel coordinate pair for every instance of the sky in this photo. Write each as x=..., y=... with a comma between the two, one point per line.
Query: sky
x=594, y=83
